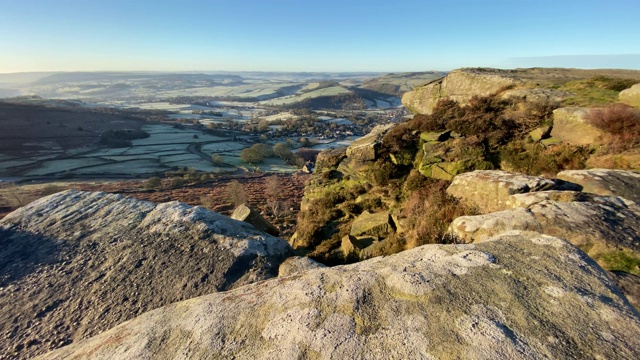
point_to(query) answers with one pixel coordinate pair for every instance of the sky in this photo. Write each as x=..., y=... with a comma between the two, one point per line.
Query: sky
x=316, y=35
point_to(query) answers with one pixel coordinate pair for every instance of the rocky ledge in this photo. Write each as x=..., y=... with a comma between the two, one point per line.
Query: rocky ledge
x=77, y=263
x=520, y=295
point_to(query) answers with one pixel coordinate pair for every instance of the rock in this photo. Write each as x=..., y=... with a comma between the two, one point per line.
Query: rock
x=537, y=95
x=435, y=136
x=606, y=182
x=629, y=284
x=631, y=96
x=330, y=159
x=447, y=170
x=459, y=85
x=570, y=126
x=490, y=190
x=251, y=216
x=525, y=200
x=604, y=227
x=298, y=264
x=540, y=133
x=366, y=147
x=377, y=224
x=80, y=263
x=404, y=157
x=548, y=142
x=520, y=296
x=352, y=244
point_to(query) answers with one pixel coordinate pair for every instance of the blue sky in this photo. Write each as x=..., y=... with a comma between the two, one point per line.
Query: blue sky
x=316, y=35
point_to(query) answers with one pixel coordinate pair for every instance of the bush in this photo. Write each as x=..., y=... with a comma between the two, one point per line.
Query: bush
x=535, y=159
x=177, y=182
x=400, y=138
x=217, y=159
x=619, y=120
x=153, y=183
x=236, y=194
x=428, y=212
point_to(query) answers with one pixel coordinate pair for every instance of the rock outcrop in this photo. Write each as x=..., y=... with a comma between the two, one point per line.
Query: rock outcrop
x=76, y=263
x=519, y=296
x=251, y=216
x=459, y=85
x=570, y=125
x=605, y=182
x=491, y=190
x=366, y=147
x=631, y=96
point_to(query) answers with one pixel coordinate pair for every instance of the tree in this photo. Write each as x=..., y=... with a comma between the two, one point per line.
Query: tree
x=251, y=156
x=282, y=151
x=264, y=149
x=236, y=193
x=263, y=126
x=217, y=159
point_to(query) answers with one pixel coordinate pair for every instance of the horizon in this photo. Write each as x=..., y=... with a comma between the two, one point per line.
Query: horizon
x=329, y=37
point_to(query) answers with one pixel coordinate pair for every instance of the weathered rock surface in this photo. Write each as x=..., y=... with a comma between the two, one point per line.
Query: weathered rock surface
x=377, y=224
x=537, y=95
x=459, y=85
x=521, y=296
x=605, y=182
x=491, y=190
x=253, y=217
x=76, y=263
x=570, y=126
x=330, y=159
x=366, y=147
x=298, y=264
x=600, y=225
x=629, y=284
x=631, y=96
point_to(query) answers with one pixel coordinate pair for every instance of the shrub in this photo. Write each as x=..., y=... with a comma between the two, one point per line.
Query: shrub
x=619, y=120
x=428, y=213
x=381, y=172
x=177, y=182
x=535, y=159
x=236, y=194
x=153, y=183
x=400, y=138
x=217, y=159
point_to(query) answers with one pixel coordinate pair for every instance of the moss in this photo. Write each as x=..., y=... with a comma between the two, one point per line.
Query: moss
x=620, y=260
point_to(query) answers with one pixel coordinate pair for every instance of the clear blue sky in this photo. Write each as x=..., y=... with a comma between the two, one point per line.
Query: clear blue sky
x=316, y=35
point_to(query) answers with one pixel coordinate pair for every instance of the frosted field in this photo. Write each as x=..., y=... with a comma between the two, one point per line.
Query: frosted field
x=329, y=91
x=257, y=90
x=223, y=147
x=167, y=134
x=279, y=116
x=135, y=167
x=59, y=166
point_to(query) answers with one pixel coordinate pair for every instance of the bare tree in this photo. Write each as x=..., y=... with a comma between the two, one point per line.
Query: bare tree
x=236, y=193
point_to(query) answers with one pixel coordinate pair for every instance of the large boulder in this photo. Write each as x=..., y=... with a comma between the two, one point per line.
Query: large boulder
x=607, y=228
x=490, y=190
x=77, y=263
x=366, y=147
x=570, y=125
x=520, y=296
x=330, y=159
x=298, y=264
x=605, y=182
x=251, y=216
x=459, y=85
x=631, y=96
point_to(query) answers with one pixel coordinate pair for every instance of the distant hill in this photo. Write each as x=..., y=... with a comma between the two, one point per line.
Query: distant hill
x=398, y=83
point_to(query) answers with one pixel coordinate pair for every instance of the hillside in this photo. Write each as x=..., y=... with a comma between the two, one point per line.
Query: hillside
x=399, y=83
x=387, y=192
